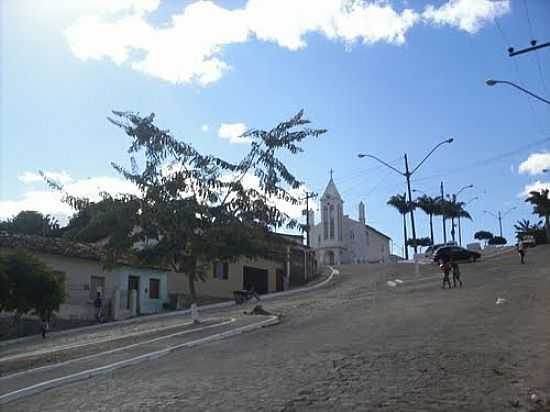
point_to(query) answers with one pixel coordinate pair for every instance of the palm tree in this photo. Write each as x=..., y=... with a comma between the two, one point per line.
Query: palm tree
x=454, y=209
x=524, y=227
x=430, y=206
x=403, y=207
x=541, y=206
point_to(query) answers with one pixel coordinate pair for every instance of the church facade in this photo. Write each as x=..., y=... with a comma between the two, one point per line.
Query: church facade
x=339, y=239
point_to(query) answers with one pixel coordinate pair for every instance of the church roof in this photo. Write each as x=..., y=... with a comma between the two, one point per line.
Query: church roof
x=331, y=191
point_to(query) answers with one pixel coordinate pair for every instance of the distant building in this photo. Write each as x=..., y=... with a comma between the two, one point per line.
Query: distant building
x=338, y=239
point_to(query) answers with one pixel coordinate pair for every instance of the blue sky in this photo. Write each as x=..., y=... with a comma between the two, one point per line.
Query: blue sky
x=386, y=78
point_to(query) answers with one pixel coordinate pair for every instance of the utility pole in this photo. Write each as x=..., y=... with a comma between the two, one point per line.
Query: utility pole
x=408, y=177
x=443, y=216
x=309, y=195
x=500, y=222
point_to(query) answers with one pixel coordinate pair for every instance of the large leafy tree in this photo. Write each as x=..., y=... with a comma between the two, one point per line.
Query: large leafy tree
x=497, y=240
x=541, y=206
x=403, y=206
x=430, y=206
x=29, y=285
x=30, y=222
x=194, y=209
x=483, y=235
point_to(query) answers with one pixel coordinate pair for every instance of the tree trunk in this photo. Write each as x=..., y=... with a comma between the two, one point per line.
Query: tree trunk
x=453, y=228
x=405, y=234
x=192, y=290
x=431, y=229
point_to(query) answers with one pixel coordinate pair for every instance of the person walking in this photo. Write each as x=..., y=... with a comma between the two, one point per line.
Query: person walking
x=98, y=304
x=445, y=268
x=456, y=273
x=521, y=251
x=44, y=327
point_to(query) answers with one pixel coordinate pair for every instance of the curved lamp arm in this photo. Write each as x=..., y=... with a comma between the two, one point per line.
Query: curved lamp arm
x=429, y=154
x=493, y=82
x=362, y=155
x=491, y=213
x=508, y=211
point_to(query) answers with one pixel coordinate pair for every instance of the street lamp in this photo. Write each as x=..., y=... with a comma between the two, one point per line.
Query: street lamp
x=492, y=82
x=454, y=196
x=500, y=216
x=545, y=170
x=407, y=174
x=459, y=227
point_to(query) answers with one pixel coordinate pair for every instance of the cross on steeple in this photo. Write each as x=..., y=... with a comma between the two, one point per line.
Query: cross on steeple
x=331, y=171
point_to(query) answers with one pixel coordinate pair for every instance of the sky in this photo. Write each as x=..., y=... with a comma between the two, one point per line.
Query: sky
x=384, y=77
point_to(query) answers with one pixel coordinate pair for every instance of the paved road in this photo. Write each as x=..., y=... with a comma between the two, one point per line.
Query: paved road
x=358, y=345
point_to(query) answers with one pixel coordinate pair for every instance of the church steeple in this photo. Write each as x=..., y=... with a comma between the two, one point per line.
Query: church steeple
x=331, y=191
x=332, y=207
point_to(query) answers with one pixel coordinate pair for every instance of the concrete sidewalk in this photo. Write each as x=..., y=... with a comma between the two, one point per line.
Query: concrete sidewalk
x=27, y=382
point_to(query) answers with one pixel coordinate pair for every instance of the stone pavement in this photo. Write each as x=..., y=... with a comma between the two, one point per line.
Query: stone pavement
x=357, y=346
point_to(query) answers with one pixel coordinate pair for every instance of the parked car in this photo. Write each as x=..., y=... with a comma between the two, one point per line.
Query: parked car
x=529, y=241
x=428, y=253
x=456, y=252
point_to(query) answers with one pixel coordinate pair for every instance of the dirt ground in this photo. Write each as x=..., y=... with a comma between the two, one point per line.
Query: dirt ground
x=359, y=345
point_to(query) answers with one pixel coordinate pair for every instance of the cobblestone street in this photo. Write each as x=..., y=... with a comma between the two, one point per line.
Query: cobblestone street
x=358, y=345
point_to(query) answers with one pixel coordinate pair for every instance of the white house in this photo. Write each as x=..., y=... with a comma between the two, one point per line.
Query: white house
x=338, y=239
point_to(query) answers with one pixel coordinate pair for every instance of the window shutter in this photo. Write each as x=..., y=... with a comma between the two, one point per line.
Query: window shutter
x=225, y=270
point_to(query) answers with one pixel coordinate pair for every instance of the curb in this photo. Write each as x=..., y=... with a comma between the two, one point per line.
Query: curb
x=87, y=374
x=182, y=312
x=115, y=350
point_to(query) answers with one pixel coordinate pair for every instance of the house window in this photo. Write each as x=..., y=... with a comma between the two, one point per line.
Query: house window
x=154, y=288
x=351, y=235
x=220, y=270
x=97, y=284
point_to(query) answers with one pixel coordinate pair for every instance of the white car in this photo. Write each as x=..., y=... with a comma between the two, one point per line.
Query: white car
x=529, y=241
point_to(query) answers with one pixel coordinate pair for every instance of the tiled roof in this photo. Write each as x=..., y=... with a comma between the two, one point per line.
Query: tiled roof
x=50, y=245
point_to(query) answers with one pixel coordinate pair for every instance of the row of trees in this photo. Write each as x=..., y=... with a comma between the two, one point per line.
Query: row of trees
x=489, y=238
x=447, y=208
x=27, y=285
x=30, y=222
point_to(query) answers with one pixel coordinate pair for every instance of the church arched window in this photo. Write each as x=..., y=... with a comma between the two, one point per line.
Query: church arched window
x=331, y=220
x=324, y=217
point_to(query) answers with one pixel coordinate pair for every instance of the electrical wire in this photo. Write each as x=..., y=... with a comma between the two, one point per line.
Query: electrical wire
x=537, y=57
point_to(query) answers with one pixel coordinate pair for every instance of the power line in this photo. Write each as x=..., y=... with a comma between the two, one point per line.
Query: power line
x=537, y=57
x=516, y=67
x=487, y=161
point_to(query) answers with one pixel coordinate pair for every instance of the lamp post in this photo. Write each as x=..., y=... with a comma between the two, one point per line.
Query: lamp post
x=454, y=196
x=492, y=82
x=407, y=174
x=500, y=216
x=459, y=228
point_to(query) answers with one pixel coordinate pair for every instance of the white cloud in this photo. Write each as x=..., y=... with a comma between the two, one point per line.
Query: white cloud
x=536, y=186
x=189, y=48
x=535, y=163
x=49, y=202
x=467, y=15
x=31, y=177
x=204, y=128
x=233, y=132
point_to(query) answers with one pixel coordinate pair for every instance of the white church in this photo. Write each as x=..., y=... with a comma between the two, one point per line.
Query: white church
x=338, y=239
